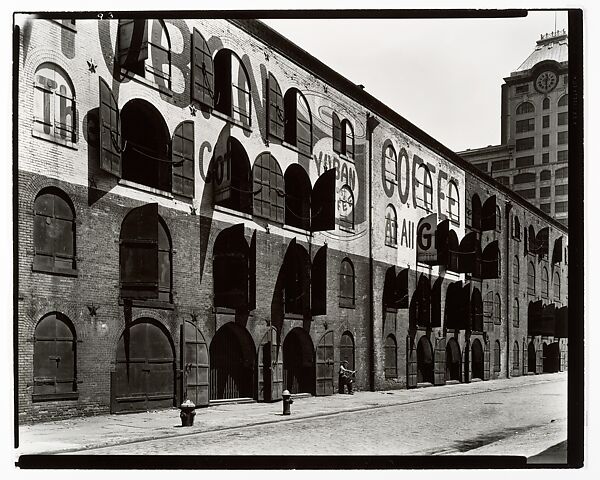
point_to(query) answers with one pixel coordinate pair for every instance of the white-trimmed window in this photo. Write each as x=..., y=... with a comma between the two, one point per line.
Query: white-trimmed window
x=390, y=163
x=391, y=226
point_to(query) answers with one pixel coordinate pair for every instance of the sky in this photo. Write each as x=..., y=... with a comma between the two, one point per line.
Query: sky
x=443, y=75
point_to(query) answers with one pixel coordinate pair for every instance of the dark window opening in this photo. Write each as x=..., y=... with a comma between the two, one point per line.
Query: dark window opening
x=546, y=103
x=347, y=139
x=545, y=175
x=516, y=312
x=524, y=144
x=525, y=107
x=297, y=275
x=347, y=286
x=476, y=311
x=269, y=189
x=298, y=121
x=347, y=349
x=232, y=88
x=526, y=125
x=531, y=279
x=231, y=176
x=497, y=356
x=546, y=121
x=563, y=101
x=545, y=140
x=297, y=197
x=391, y=226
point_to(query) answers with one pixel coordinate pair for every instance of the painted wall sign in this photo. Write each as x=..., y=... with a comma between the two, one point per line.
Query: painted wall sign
x=426, y=247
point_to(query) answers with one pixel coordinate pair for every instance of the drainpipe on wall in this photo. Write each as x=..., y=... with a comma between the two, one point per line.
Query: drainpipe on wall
x=371, y=124
x=508, y=208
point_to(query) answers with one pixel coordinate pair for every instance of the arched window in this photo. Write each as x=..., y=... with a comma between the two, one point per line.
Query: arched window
x=347, y=292
x=546, y=103
x=516, y=271
x=475, y=212
x=54, y=359
x=497, y=310
x=297, y=197
x=516, y=358
x=390, y=357
x=145, y=256
x=498, y=219
x=563, y=101
x=390, y=163
x=347, y=139
x=516, y=228
x=232, y=87
x=562, y=172
x=424, y=188
x=524, y=178
x=525, y=107
x=269, y=188
x=556, y=286
x=545, y=175
x=346, y=207
x=54, y=232
x=453, y=203
x=298, y=121
x=391, y=226
x=545, y=281
x=516, y=313
x=497, y=356
x=54, y=112
x=347, y=349
x=531, y=279
x=146, y=55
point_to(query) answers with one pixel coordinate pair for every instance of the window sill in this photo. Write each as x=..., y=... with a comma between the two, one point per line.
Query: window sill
x=347, y=230
x=230, y=211
x=144, y=81
x=157, y=304
x=145, y=188
x=347, y=305
x=53, y=139
x=49, y=397
x=65, y=272
x=233, y=121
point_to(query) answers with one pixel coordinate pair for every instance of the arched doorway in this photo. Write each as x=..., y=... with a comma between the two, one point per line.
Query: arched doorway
x=298, y=362
x=554, y=354
x=476, y=360
x=531, y=357
x=144, y=376
x=452, y=360
x=424, y=361
x=232, y=356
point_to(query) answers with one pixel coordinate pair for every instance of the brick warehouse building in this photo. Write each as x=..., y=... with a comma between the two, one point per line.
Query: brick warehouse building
x=205, y=211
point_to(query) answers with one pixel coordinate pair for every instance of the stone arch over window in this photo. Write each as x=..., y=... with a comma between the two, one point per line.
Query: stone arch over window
x=54, y=359
x=297, y=121
x=424, y=187
x=54, y=239
x=516, y=312
x=391, y=226
x=347, y=349
x=563, y=101
x=232, y=87
x=268, y=188
x=297, y=197
x=346, y=207
x=453, y=203
x=531, y=279
x=391, y=357
x=525, y=107
x=54, y=110
x=562, y=172
x=347, y=284
x=556, y=285
x=545, y=282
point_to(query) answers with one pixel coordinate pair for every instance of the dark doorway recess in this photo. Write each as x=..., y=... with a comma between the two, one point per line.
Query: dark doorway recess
x=144, y=377
x=298, y=362
x=531, y=358
x=232, y=360
x=424, y=361
x=270, y=368
x=477, y=360
x=551, y=357
x=452, y=360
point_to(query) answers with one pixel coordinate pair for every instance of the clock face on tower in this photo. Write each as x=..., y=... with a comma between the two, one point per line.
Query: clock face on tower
x=546, y=81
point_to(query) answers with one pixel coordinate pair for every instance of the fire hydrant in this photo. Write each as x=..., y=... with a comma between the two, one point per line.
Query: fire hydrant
x=187, y=413
x=287, y=401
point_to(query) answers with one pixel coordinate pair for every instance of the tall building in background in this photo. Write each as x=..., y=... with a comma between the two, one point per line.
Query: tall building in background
x=533, y=156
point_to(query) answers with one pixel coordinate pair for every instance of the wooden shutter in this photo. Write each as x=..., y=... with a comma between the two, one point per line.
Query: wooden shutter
x=303, y=125
x=319, y=282
x=325, y=365
x=139, y=253
x=557, y=251
x=401, y=291
x=275, y=112
x=490, y=267
x=269, y=188
x=221, y=172
x=476, y=212
x=348, y=139
x=541, y=241
x=337, y=133
x=411, y=363
x=468, y=253
x=486, y=361
x=203, y=78
x=195, y=365
x=322, y=205
x=182, y=155
x=252, y=273
x=277, y=367
x=110, y=131
x=488, y=214
x=132, y=42
x=539, y=359
x=439, y=362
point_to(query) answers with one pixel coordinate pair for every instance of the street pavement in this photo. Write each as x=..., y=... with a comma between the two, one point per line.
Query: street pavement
x=517, y=416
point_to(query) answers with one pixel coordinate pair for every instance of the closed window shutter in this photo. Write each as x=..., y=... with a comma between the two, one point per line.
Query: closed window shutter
x=183, y=159
x=110, y=131
x=269, y=188
x=252, y=274
x=490, y=261
x=319, y=282
x=276, y=117
x=488, y=214
x=139, y=253
x=203, y=82
x=132, y=42
x=337, y=134
x=323, y=202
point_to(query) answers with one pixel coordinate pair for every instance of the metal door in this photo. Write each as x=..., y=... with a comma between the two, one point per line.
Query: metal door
x=270, y=368
x=439, y=358
x=194, y=358
x=145, y=369
x=325, y=365
x=411, y=363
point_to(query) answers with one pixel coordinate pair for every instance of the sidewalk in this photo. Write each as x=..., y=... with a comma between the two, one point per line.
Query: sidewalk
x=107, y=430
